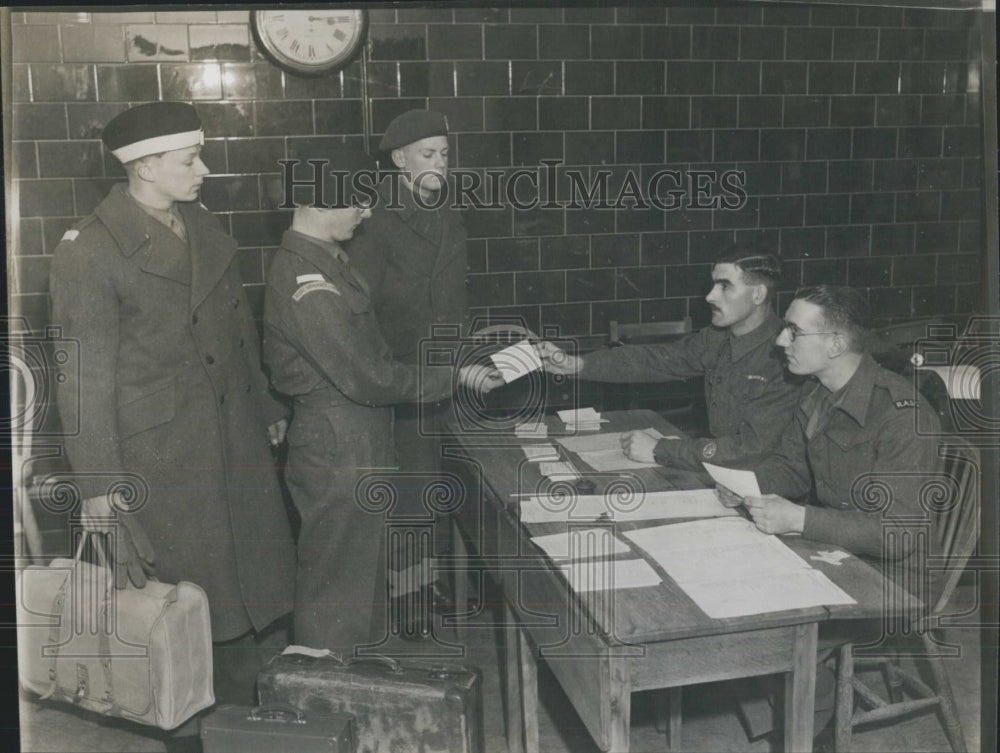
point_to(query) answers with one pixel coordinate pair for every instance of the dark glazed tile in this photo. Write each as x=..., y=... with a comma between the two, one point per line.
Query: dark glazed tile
x=70, y=159
x=832, y=15
x=639, y=147
x=918, y=206
x=937, y=238
x=590, y=148
x=416, y=14
x=480, y=79
x=960, y=205
x=539, y=221
x=737, y=78
x=638, y=77
x=36, y=44
x=920, y=142
x=593, y=15
x=25, y=160
x=414, y=80
x=491, y=289
x=759, y=179
x=539, y=287
x=589, y=220
x=782, y=144
x=339, y=116
x=563, y=42
x=763, y=43
x=563, y=113
x=850, y=176
x=852, y=111
x=874, y=143
x=283, y=118
x=484, y=149
x=510, y=114
x=133, y=82
x=943, y=109
x=760, y=112
x=912, y=270
x=92, y=43
x=536, y=15
x=195, y=81
x=737, y=145
x=689, y=146
x=691, y=14
x=715, y=42
x=608, y=113
x=962, y=141
x=511, y=42
x=566, y=319
x=689, y=78
x=260, y=228
x=897, y=110
x=258, y=81
x=481, y=15
x=895, y=175
x=532, y=148
x=889, y=240
x=828, y=209
x=828, y=143
x=664, y=248
x=590, y=77
x=802, y=243
x=831, y=78
x=639, y=282
x=512, y=254
x=713, y=112
x=872, y=207
x=565, y=252
x=890, y=302
x=641, y=15
x=63, y=83
x=665, y=112
x=946, y=44
x=877, y=78
x=808, y=44
x=39, y=122
x=87, y=120
x=590, y=284
x=900, y=44
x=46, y=198
x=940, y=173
x=454, y=42
x=666, y=42
x=398, y=41
x=231, y=194
x=687, y=279
x=254, y=155
x=803, y=177
x=616, y=43
x=850, y=240
x=806, y=111
x=783, y=78
x=855, y=44
x=781, y=211
x=534, y=78
x=824, y=272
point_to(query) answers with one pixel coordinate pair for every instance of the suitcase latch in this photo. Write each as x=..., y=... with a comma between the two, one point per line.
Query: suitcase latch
x=82, y=682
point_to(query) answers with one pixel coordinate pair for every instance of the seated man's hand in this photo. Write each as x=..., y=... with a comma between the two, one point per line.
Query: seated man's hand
x=555, y=360
x=727, y=497
x=774, y=514
x=480, y=378
x=131, y=550
x=638, y=446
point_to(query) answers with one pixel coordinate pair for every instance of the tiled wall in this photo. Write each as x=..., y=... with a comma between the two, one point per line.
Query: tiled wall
x=858, y=130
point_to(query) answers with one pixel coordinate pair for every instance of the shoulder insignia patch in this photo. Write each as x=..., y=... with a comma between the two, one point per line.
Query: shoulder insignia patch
x=302, y=279
x=908, y=403
x=709, y=450
x=757, y=377
x=311, y=287
x=70, y=235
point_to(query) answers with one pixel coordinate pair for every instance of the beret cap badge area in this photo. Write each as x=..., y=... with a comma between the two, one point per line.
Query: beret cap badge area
x=153, y=128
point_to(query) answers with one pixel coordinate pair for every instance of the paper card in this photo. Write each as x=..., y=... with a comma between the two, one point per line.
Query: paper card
x=531, y=430
x=561, y=471
x=741, y=483
x=661, y=505
x=516, y=361
x=581, y=543
x=606, y=575
x=539, y=452
x=579, y=416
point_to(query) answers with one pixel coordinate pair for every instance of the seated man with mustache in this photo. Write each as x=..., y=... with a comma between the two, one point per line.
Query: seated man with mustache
x=750, y=395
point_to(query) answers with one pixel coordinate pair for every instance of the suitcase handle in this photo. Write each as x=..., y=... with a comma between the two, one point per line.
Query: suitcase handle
x=276, y=712
x=392, y=664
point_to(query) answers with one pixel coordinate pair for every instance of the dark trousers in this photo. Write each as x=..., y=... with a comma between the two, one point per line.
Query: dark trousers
x=340, y=589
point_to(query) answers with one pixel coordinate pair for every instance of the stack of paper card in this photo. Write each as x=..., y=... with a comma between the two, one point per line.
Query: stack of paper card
x=537, y=453
x=531, y=430
x=517, y=361
x=581, y=543
x=582, y=419
x=609, y=575
x=561, y=471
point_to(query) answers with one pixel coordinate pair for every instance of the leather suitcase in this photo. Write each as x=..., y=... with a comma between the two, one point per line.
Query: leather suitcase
x=398, y=706
x=274, y=729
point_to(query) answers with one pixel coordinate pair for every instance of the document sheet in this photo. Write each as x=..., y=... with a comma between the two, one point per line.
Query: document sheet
x=581, y=543
x=605, y=575
x=516, y=361
x=743, y=483
x=731, y=569
x=664, y=505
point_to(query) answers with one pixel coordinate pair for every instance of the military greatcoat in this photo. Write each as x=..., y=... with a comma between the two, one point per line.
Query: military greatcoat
x=170, y=390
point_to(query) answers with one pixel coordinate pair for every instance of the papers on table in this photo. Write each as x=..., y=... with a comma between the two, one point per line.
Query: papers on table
x=558, y=471
x=516, y=361
x=582, y=419
x=666, y=505
x=605, y=575
x=531, y=430
x=581, y=543
x=731, y=569
x=741, y=483
x=538, y=452
x=603, y=452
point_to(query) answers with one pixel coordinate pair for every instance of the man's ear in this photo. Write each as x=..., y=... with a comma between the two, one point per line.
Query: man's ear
x=759, y=294
x=837, y=346
x=398, y=159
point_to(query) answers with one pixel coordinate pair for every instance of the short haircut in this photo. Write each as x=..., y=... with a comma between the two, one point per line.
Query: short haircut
x=844, y=309
x=758, y=269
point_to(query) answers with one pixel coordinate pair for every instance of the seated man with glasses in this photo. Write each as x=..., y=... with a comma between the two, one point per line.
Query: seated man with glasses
x=749, y=394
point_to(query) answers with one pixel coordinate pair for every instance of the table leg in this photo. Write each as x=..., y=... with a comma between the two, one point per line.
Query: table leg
x=515, y=701
x=620, y=704
x=675, y=696
x=800, y=691
x=529, y=692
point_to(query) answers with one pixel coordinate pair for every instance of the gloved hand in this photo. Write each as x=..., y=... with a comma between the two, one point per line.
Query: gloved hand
x=130, y=549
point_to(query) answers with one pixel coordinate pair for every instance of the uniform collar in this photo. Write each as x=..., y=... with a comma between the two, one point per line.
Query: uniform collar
x=314, y=249
x=856, y=395
x=767, y=331
x=124, y=219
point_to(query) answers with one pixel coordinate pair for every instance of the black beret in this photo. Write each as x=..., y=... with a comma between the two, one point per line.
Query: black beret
x=411, y=126
x=153, y=128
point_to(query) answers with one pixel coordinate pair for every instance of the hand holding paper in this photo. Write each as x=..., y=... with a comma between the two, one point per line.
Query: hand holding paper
x=741, y=483
x=516, y=361
x=774, y=514
x=557, y=361
x=639, y=446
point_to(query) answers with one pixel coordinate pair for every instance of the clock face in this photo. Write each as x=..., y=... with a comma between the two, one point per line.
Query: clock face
x=311, y=42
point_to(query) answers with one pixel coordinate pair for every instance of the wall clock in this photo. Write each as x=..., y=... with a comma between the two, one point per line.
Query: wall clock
x=309, y=42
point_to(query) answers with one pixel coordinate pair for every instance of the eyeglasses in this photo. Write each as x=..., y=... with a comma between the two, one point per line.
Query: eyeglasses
x=794, y=332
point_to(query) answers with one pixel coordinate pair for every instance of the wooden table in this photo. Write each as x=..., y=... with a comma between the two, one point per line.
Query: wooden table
x=603, y=646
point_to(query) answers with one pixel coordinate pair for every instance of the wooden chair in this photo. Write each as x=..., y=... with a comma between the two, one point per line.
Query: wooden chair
x=955, y=535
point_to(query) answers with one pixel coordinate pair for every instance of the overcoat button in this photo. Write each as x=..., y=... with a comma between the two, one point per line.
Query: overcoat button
x=222, y=400
x=209, y=360
x=194, y=319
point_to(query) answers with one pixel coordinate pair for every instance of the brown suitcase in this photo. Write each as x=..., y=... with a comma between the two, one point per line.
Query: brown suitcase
x=276, y=728
x=398, y=706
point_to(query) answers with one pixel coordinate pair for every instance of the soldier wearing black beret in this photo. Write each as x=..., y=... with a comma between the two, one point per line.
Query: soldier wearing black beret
x=170, y=390
x=413, y=254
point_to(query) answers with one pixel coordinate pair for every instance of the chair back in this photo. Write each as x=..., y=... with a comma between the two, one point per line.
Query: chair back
x=618, y=333
x=956, y=529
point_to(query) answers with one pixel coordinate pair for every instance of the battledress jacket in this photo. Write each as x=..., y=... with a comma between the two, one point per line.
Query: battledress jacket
x=749, y=393
x=169, y=390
